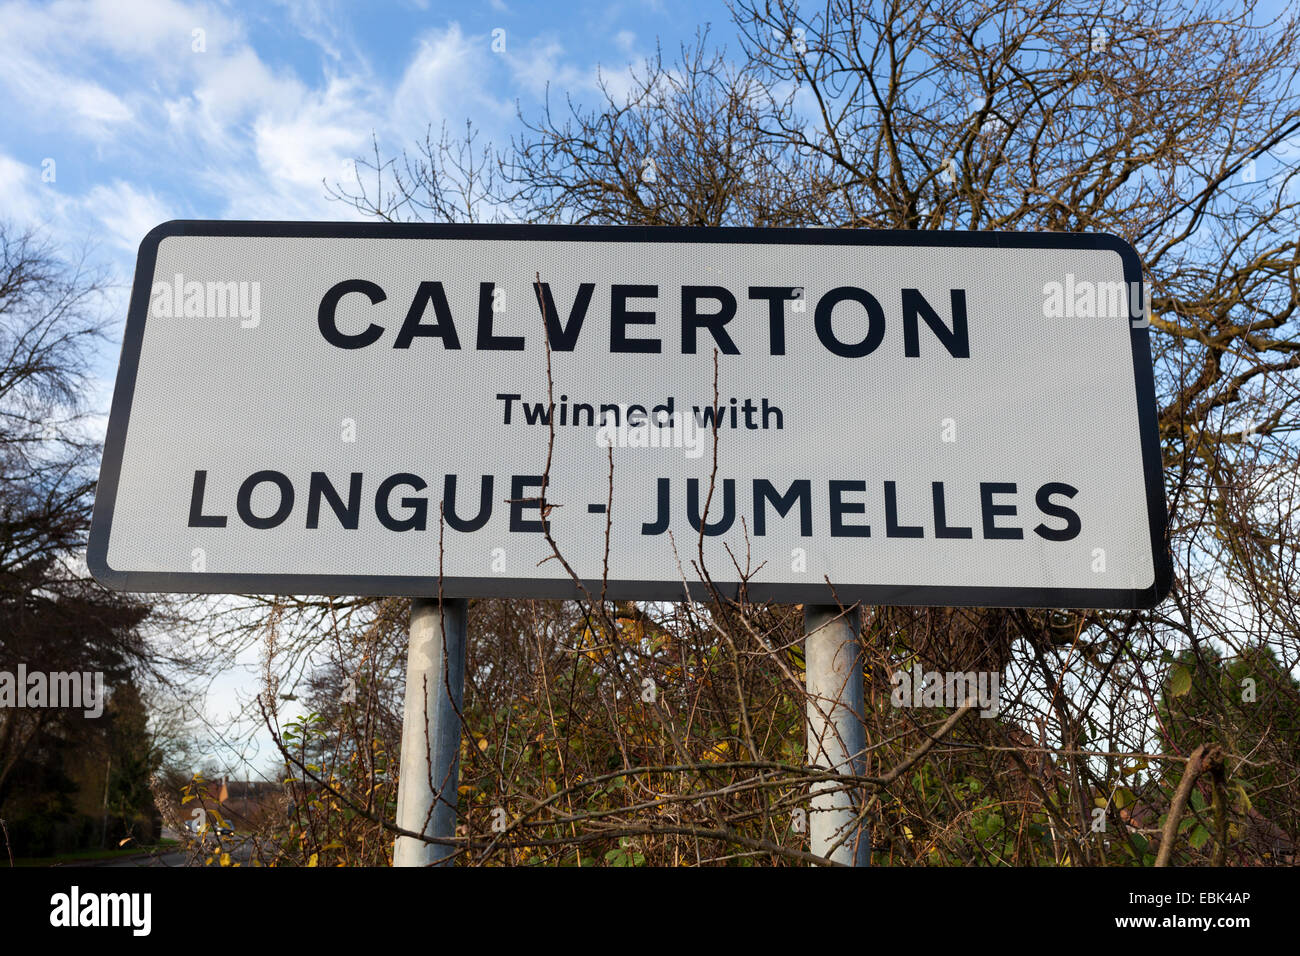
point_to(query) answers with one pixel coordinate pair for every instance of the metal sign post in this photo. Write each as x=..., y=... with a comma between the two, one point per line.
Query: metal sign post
x=836, y=736
x=430, y=762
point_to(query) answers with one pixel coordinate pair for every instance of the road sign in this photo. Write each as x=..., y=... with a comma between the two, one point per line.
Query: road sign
x=899, y=417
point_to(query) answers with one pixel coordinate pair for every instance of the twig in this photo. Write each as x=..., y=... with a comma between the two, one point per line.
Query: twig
x=1195, y=764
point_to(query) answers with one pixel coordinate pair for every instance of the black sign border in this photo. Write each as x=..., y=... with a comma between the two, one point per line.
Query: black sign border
x=420, y=586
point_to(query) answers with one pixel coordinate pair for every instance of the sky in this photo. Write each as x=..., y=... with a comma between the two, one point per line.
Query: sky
x=121, y=114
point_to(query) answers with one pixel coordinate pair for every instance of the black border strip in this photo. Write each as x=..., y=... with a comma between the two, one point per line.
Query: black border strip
x=195, y=583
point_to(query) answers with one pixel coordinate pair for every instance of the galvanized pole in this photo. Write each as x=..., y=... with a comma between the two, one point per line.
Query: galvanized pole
x=836, y=736
x=430, y=767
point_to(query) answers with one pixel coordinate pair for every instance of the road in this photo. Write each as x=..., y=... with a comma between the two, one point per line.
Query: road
x=239, y=848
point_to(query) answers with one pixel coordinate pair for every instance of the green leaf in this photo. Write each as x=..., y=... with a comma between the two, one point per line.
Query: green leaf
x=1180, y=680
x=1198, y=837
x=1245, y=799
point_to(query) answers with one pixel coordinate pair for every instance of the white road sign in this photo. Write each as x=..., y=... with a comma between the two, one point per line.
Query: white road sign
x=900, y=417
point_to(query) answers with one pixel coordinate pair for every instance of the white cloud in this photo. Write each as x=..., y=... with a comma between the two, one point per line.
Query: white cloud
x=18, y=200
x=96, y=104
x=59, y=100
x=317, y=21
x=446, y=79
x=160, y=31
x=58, y=61
x=307, y=147
x=232, y=87
x=542, y=63
x=30, y=197
x=127, y=213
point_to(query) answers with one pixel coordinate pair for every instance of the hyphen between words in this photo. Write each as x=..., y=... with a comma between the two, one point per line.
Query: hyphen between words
x=344, y=497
